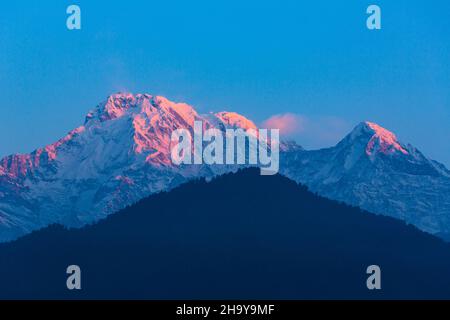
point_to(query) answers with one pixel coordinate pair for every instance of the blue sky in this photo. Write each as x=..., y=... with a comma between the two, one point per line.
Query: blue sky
x=315, y=60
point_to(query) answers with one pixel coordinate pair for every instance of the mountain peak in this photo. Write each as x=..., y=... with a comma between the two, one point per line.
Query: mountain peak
x=120, y=95
x=122, y=154
x=377, y=139
x=119, y=104
x=235, y=120
x=113, y=107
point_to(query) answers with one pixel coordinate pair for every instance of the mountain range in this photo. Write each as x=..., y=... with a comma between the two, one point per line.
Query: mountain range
x=371, y=169
x=121, y=154
x=239, y=236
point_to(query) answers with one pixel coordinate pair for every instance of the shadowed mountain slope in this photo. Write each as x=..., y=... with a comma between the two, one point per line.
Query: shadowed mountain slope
x=239, y=236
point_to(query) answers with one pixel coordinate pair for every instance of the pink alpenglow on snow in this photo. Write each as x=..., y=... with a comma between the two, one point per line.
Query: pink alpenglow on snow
x=383, y=141
x=20, y=165
x=235, y=120
x=122, y=153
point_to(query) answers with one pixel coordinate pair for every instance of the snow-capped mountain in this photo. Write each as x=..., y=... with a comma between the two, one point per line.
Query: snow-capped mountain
x=121, y=154
x=371, y=169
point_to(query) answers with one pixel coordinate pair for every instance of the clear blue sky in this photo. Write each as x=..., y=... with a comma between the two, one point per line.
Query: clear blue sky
x=314, y=59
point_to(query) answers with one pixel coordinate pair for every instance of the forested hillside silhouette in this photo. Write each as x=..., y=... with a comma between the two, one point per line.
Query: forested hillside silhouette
x=239, y=236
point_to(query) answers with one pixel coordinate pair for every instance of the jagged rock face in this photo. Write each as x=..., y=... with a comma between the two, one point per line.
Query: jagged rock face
x=122, y=154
